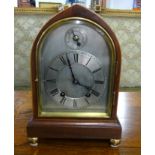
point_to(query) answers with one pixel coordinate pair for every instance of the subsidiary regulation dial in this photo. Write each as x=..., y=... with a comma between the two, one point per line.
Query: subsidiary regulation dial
x=75, y=38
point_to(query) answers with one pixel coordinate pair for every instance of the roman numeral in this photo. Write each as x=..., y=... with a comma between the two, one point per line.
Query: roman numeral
x=63, y=60
x=74, y=104
x=54, y=92
x=76, y=58
x=53, y=69
x=51, y=80
x=95, y=92
x=96, y=70
x=99, y=82
x=62, y=101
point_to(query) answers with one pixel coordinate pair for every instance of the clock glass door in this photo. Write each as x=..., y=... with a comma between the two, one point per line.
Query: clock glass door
x=76, y=64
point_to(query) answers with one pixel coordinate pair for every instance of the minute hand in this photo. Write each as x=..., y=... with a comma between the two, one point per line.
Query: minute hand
x=70, y=67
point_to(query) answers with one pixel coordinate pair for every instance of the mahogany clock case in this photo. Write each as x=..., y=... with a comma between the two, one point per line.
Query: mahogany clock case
x=89, y=128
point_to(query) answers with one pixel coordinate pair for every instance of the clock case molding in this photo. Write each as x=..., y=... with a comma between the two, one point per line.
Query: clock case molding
x=86, y=128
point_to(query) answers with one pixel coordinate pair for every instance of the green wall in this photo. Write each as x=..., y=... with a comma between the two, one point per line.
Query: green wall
x=127, y=29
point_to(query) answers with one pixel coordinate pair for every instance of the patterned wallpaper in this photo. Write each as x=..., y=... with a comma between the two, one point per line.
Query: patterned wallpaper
x=128, y=32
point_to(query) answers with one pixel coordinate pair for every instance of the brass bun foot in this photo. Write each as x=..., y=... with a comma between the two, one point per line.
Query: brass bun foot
x=33, y=141
x=115, y=142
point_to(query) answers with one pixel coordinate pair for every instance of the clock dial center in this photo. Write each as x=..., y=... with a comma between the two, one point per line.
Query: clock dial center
x=75, y=88
x=75, y=38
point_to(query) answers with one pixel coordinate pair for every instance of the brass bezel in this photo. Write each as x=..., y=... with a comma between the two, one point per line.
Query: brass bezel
x=77, y=114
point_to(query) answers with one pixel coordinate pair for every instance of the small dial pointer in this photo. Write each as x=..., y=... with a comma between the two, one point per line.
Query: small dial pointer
x=76, y=38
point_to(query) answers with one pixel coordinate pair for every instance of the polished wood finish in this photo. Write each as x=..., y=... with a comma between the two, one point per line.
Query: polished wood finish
x=128, y=114
x=101, y=128
x=79, y=129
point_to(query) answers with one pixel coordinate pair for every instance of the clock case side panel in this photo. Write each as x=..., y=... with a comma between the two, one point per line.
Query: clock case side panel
x=77, y=11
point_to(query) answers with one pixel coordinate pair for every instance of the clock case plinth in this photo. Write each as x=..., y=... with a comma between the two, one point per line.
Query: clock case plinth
x=78, y=129
x=87, y=128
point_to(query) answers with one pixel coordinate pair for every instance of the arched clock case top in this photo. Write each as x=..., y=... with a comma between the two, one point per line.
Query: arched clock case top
x=91, y=77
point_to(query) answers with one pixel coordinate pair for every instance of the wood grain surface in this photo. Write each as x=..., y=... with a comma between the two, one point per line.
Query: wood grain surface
x=128, y=114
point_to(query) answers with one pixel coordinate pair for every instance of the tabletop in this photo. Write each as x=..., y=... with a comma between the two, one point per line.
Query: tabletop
x=129, y=114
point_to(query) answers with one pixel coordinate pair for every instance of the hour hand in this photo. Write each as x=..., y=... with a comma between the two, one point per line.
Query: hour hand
x=89, y=89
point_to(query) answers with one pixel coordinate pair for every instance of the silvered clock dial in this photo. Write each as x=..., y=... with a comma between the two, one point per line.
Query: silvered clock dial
x=74, y=78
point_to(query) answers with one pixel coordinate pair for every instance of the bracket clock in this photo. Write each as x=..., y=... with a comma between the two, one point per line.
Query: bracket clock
x=75, y=64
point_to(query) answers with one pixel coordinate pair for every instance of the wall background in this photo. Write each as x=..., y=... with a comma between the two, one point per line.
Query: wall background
x=127, y=29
